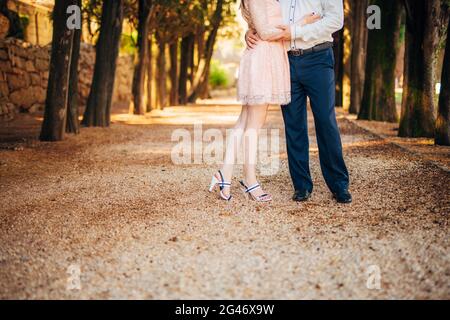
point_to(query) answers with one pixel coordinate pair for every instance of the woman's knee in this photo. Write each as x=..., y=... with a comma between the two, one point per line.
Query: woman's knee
x=242, y=121
x=256, y=116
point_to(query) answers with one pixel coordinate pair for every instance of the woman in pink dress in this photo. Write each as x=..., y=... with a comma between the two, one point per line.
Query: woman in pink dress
x=264, y=79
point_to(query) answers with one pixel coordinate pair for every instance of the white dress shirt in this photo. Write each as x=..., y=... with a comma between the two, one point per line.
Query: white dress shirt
x=308, y=36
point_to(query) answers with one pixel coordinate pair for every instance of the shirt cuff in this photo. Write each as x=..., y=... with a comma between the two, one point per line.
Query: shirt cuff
x=296, y=32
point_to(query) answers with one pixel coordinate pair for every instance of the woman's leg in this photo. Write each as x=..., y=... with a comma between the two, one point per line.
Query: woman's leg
x=233, y=145
x=256, y=117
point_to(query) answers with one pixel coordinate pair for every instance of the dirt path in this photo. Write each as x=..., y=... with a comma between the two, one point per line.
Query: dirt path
x=111, y=205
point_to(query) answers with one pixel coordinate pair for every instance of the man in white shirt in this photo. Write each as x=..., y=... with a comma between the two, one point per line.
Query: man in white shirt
x=312, y=75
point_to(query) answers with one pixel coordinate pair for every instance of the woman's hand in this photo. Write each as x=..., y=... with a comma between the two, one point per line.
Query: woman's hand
x=284, y=35
x=310, y=19
x=252, y=38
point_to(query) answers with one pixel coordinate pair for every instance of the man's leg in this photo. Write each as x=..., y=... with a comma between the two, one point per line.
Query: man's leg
x=319, y=83
x=296, y=126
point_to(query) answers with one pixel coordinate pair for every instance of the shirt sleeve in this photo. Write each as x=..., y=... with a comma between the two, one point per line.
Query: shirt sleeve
x=258, y=13
x=332, y=21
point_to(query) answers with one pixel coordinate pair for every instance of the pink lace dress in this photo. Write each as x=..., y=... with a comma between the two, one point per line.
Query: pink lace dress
x=264, y=74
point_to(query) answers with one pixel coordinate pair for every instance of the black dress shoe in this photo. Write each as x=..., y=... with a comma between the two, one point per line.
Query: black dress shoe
x=343, y=196
x=301, y=195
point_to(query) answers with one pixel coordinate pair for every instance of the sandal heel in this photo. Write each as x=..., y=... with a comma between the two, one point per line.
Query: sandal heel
x=222, y=184
x=248, y=191
x=214, y=183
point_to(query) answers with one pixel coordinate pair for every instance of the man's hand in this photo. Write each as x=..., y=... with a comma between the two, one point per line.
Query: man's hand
x=310, y=19
x=285, y=33
x=252, y=38
x=286, y=29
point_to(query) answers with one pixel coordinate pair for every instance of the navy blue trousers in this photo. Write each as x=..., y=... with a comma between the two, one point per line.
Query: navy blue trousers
x=312, y=75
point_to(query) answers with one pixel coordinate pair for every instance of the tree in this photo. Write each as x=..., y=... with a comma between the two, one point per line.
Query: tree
x=173, y=50
x=358, y=55
x=142, y=58
x=72, y=125
x=194, y=25
x=54, y=124
x=423, y=27
x=443, y=118
x=92, y=12
x=378, y=101
x=200, y=85
x=161, y=75
x=98, y=109
x=150, y=74
x=339, y=66
x=165, y=32
x=187, y=49
x=174, y=20
x=15, y=29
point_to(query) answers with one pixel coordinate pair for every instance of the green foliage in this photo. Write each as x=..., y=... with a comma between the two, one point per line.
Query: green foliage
x=230, y=26
x=178, y=18
x=218, y=77
x=128, y=43
x=92, y=14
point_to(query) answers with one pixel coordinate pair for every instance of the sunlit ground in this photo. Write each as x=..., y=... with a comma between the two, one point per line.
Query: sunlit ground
x=113, y=202
x=220, y=110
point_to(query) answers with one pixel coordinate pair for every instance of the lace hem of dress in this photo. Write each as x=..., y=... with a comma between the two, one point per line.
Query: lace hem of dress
x=282, y=99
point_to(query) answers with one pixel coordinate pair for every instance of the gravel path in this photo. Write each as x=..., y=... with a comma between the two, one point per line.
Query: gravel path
x=111, y=205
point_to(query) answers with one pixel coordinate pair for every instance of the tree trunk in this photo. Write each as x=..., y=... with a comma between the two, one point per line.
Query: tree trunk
x=54, y=123
x=358, y=55
x=15, y=25
x=443, y=118
x=202, y=75
x=200, y=43
x=173, y=48
x=161, y=80
x=378, y=101
x=422, y=37
x=187, y=44
x=339, y=66
x=198, y=47
x=141, y=60
x=73, y=125
x=347, y=47
x=98, y=109
x=192, y=65
x=150, y=75
x=203, y=91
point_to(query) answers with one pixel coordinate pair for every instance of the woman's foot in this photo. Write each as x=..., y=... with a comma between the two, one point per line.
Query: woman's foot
x=224, y=186
x=256, y=193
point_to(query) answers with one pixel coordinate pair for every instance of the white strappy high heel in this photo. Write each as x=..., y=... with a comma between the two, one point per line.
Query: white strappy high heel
x=248, y=191
x=222, y=184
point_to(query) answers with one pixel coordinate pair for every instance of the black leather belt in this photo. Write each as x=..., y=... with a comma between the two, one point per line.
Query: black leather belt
x=319, y=47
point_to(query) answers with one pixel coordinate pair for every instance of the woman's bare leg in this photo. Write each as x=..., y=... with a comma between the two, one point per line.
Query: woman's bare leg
x=256, y=117
x=233, y=145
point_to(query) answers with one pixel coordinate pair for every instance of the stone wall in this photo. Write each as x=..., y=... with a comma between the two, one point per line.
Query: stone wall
x=24, y=71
